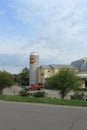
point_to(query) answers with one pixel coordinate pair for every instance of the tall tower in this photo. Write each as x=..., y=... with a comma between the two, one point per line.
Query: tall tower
x=34, y=63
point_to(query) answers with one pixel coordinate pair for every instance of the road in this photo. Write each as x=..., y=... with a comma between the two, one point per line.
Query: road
x=24, y=116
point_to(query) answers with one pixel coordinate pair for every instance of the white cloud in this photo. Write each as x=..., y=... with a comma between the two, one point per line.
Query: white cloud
x=13, y=62
x=52, y=19
x=58, y=28
x=12, y=45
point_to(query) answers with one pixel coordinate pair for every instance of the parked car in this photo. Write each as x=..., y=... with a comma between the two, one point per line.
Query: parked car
x=34, y=87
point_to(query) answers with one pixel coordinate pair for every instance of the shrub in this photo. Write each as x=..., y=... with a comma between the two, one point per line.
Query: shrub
x=6, y=80
x=77, y=96
x=64, y=81
x=23, y=93
x=39, y=94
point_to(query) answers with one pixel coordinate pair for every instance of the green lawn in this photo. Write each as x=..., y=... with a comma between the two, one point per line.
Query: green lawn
x=44, y=100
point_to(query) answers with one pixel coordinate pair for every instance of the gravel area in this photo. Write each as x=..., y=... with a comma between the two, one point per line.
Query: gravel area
x=14, y=90
x=52, y=93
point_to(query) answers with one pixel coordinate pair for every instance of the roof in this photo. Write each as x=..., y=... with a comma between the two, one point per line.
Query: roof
x=44, y=66
x=34, y=53
x=82, y=75
x=57, y=66
x=62, y=66
x=82, y=59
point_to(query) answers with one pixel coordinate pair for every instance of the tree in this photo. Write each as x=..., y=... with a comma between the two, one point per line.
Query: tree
x=6, y=80
x=23, y=77
x=65, y=81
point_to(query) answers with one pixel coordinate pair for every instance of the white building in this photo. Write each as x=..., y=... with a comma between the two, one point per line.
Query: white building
x=80, y=64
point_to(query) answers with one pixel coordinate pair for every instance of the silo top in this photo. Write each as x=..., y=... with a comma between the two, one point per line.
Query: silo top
x=34, y=53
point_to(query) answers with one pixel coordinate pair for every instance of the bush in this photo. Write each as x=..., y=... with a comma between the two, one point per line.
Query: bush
x=6, y=80
x=64, y=81
x=39, y=94
x=81, y=89
x=77, y=96
x=23, y=93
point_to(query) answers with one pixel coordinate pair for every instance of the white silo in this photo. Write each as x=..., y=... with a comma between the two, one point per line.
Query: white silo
x=34, y=63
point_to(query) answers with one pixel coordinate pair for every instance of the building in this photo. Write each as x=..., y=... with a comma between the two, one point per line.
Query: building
x=80, y=64
x=47, y=71
x=82, y=67
x=40, y=73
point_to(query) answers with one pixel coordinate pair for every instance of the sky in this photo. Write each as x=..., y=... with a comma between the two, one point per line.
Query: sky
x=56, y=29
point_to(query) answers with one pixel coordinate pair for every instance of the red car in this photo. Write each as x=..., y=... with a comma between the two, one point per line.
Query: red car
x=34, y=87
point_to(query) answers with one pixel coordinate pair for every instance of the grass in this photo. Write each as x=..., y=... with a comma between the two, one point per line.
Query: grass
x=44, y=100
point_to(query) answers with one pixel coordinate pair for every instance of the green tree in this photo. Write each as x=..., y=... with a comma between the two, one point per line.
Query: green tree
x=23, y=77
x=6, y=80
x=65, y=81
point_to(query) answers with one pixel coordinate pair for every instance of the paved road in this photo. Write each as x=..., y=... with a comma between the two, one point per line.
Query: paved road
x=19, y=116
